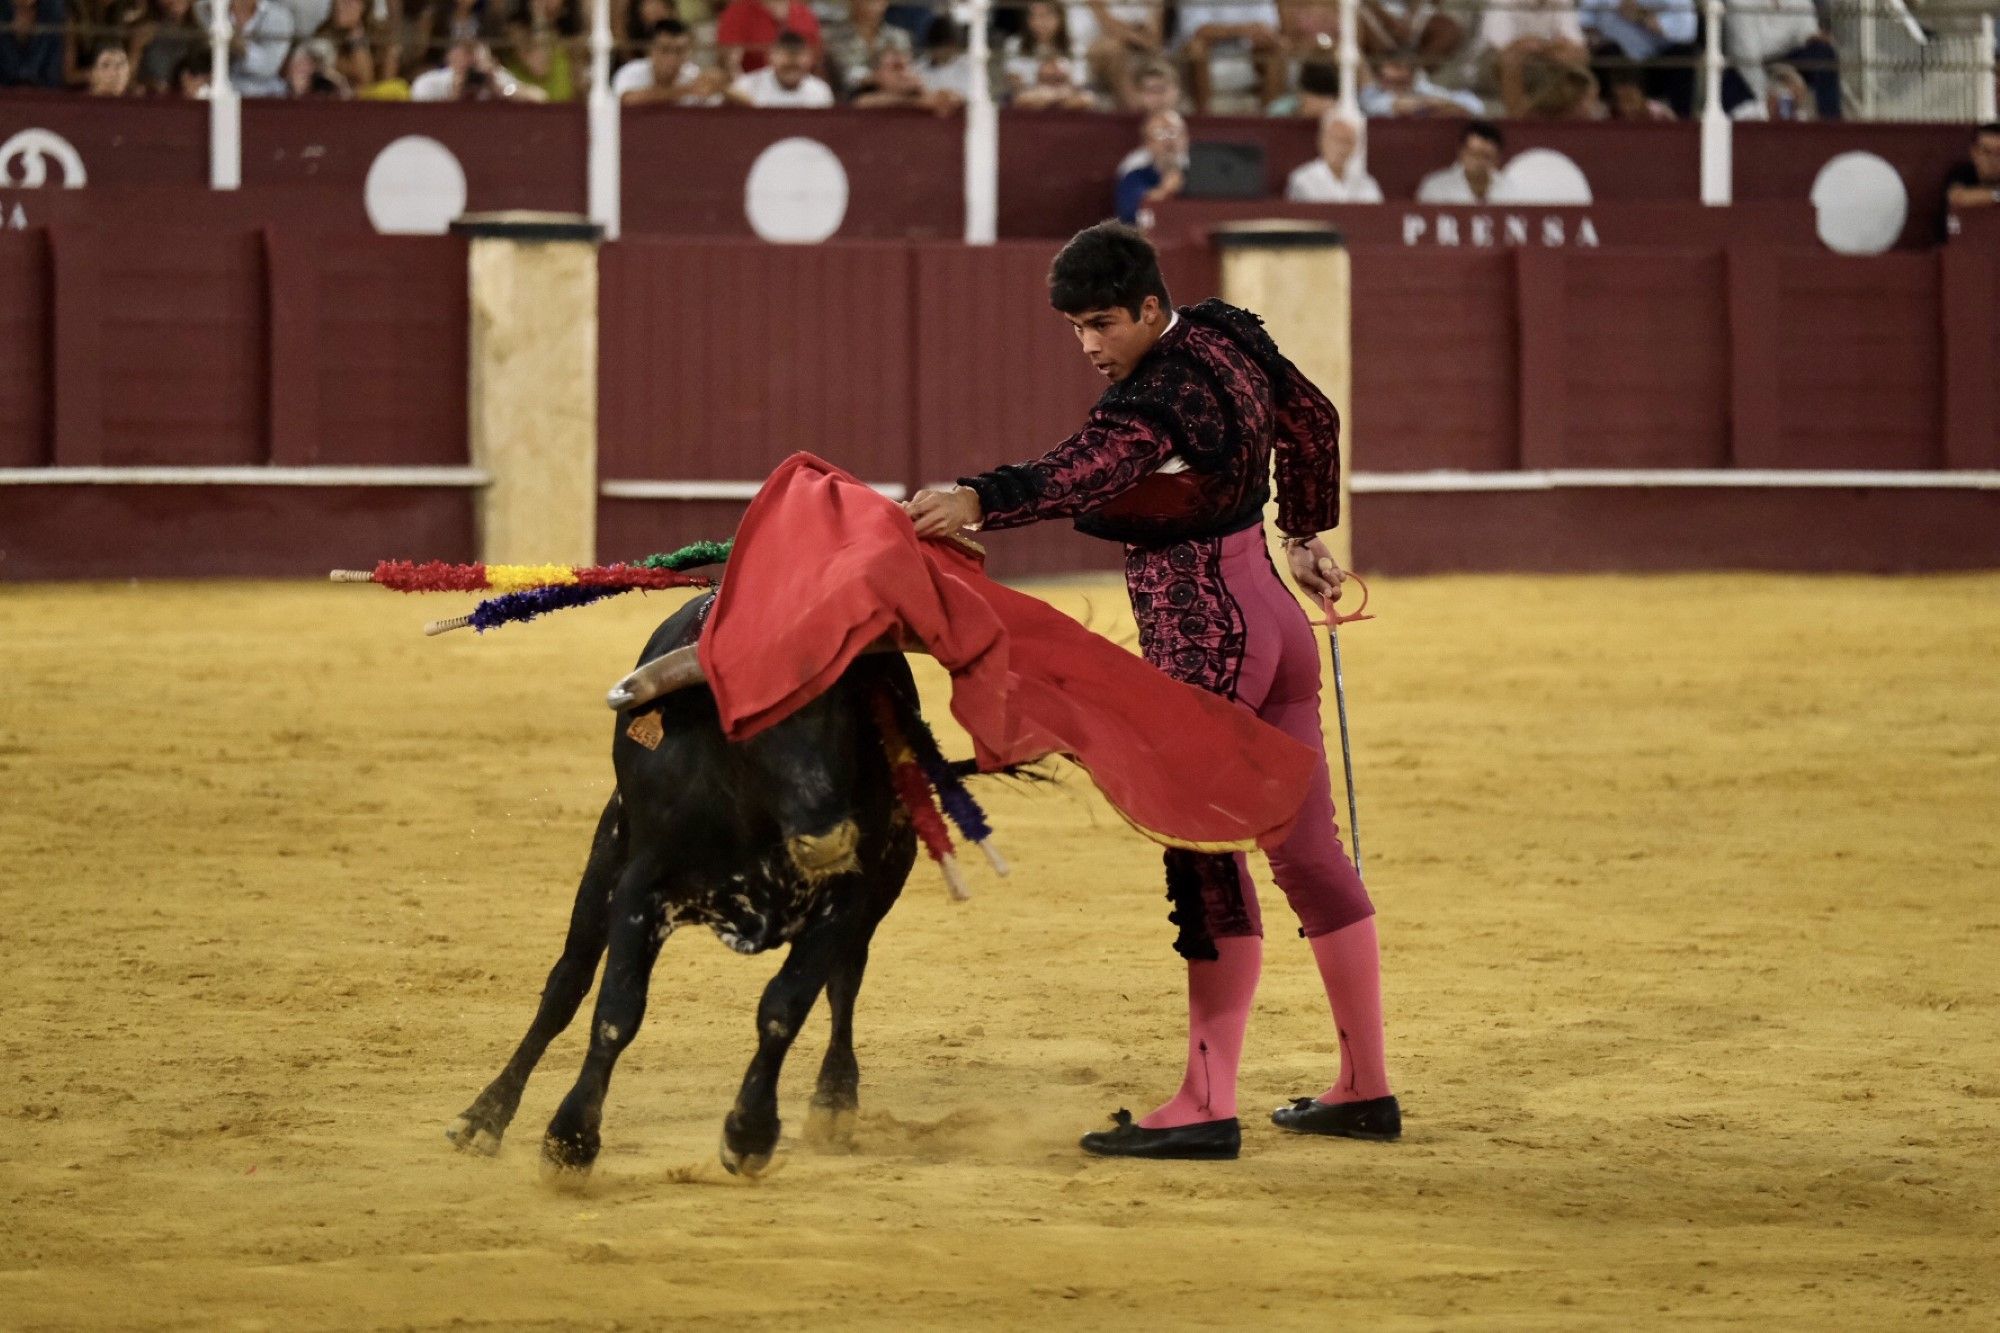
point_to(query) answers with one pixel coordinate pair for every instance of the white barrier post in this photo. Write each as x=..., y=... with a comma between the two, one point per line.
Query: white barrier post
x=605, y=185
x=1350, y=61
x=225, y=107
x=1717, y=145
x=982, y=131
x=1989, y=73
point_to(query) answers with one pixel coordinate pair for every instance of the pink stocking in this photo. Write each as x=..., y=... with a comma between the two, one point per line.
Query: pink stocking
x=1219, y=996
x=1350, y=965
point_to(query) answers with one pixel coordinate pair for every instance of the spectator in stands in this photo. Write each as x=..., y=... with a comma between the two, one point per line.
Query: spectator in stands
x=1786, y=96
x=786, y=81
x=309, y=74
x=111, y=72
x=191, y=76
x=946, y=67
x=160, y=40
x=363, y=54
x=1975, y=182
x=1555, y=86
x=261, y=33
x=850, y=44
x=1413, y=26
x=1400, y=88
x=1477, y=177
x=440, y=23
x=1521, y=30
x=1758, y=33
x=31, y=44
x=1316, y=91
x=1626, y=98
x=894, y=81
x=1154, y=88
x=668, y=72
x=469, y=74
x=1656, y=34
x=1338, y=175
x=1155, y=170
x=1118, y=40
x=1230, y=30
x=748, y=29
x=1055, y=89
x=545, y=38
x=1044, y=36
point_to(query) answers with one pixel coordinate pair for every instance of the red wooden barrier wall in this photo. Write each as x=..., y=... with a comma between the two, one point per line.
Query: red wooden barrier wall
x=134, y=345
x=1971, y=301
x=1623, y=359
x=1436, y=361
x=1836, y=361
x=684, y=169
x=26, y=312
x=130, y=345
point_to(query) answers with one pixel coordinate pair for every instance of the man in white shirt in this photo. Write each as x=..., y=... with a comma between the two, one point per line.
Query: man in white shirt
x=787, y=81
x=469, y=74
x=1338, y=175
x=1758, y=33
x=668, y=72
x=261, y=35
x=1476, y=177
x=1401, y=89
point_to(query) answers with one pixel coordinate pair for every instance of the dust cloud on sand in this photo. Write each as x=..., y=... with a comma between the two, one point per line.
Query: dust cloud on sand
x=1690, y=895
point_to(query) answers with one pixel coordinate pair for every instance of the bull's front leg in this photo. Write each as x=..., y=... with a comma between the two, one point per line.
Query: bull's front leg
x=750, y=1133
x=837, y=1095
x=480, y=1128
x=638, y=926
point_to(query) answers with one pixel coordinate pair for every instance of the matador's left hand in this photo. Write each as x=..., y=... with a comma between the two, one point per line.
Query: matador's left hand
x=1315, y=570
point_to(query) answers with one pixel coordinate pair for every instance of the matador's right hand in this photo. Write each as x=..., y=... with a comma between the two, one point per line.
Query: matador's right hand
x=943, y=513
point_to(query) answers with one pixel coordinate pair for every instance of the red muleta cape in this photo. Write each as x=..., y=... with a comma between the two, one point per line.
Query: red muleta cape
x=823, y=567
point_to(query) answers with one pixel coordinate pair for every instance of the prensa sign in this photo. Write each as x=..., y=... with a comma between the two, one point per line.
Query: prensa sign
x=1484, y=231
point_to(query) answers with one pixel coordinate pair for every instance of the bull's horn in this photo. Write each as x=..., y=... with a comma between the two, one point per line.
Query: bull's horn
x=666, y=673
x=680, y=668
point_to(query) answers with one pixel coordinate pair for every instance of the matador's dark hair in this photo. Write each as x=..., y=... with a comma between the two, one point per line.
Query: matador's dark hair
x=1104, y=266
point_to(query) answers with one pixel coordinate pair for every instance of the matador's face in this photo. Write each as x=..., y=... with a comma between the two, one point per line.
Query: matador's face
x=1114, y=340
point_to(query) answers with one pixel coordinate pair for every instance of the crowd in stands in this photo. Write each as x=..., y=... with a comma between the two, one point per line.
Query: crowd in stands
x=1519, y=59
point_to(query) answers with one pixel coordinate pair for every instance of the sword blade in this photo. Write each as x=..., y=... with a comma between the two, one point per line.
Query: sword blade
x=1346, y=748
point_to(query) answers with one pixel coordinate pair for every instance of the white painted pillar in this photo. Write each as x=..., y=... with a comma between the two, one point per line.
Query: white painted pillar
x=225, y=107
x=1350, y=60
x=1988, y=113
x=982, y=131
x=604, y=159
x=1717, y=143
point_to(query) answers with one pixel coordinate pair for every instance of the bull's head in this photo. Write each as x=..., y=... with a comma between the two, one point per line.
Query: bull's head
x=799, y=762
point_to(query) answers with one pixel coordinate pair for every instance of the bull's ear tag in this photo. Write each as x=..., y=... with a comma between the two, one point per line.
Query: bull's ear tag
x=647, y=729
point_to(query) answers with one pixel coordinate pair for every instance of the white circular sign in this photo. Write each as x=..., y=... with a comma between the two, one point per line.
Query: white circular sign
x=1544, y=176
x=796, y=193
x=1862, y=204
x=415, y=188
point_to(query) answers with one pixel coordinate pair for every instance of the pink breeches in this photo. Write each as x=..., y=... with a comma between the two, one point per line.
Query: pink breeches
x=1268, y=659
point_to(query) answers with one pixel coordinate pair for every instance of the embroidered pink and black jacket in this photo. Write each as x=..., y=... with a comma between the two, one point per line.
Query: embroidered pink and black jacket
x=1217, y=394
x=1213, y=401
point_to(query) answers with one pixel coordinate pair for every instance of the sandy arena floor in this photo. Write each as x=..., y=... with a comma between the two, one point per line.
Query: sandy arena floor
x=1690, y=897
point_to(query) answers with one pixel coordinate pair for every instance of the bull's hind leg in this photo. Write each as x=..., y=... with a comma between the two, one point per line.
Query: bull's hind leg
x=638, y=925
x=485, y=1121
x=750, y=1133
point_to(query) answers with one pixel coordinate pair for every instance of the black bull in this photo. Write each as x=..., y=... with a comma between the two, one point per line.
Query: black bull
x=795, y=836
